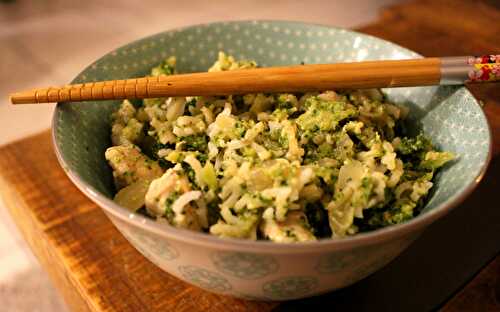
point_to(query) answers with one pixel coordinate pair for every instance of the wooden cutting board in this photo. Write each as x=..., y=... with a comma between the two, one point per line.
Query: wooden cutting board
x=96, y=269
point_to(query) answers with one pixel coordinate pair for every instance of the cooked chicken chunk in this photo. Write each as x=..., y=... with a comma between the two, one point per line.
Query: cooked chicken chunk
x=130, y=165
x=293, y=229
x=170, y=196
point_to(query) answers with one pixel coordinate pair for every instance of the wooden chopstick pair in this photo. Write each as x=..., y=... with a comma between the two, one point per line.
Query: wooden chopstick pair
x=355, y=75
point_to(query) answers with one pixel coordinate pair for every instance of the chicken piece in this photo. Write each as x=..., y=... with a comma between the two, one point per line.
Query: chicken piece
x=295, y=228
x=170, y=196
x=130, y=165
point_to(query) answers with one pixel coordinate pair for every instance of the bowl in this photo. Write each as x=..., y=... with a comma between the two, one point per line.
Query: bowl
x=263, y=270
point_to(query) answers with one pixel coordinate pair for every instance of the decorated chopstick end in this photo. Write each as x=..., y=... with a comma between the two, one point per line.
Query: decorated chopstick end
x=457, y=70
x=484, y=68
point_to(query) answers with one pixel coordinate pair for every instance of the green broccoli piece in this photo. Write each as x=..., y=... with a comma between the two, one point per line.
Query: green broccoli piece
x=366, y=188
x=326, y=150
x=190, y=174
x=284, y=102
x=409, y=146
x=240, y=128
x=169, y=213
x=196, y=142
x=324, y=115
x=434, y=160
x=202, y=158
x=153, y=101
x=167, y=67
x=377, y=218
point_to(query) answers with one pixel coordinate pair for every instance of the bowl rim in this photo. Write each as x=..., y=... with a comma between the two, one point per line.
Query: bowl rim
x=393, y=232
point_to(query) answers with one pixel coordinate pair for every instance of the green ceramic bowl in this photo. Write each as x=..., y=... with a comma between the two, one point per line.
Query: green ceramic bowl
x=265, y=270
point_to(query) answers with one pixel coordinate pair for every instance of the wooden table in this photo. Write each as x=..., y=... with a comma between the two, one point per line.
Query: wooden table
x=454, y=265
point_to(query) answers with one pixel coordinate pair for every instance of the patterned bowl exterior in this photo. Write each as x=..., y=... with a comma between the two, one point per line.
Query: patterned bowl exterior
x=257, y=275
x=264, y=270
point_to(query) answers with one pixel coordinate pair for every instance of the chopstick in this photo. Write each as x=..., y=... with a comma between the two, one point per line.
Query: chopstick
x=299, y=78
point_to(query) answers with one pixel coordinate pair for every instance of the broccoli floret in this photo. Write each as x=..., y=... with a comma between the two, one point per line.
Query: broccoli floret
x=167, y=67
x=190, y=174
x=325, y=150
x=377, y=218
x=227, y=62
x=169, y=213
x=240, y=128
x=202, y=158
x=286, y=104
x=409, y=146
x=366, y=189
x=283, y=140
x=153, y=101
x=434, y=160
x=419, y=154
x=324, y=115
x=195, y=142
x=399, y=214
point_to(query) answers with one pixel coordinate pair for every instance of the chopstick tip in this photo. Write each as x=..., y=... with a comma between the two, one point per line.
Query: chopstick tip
x=13, y=98
x=22, y=98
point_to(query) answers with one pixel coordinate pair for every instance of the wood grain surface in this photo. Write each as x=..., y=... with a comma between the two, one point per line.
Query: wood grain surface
x=97, y=270
x=91, y=263
x=454, y=27
x=481, y=294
